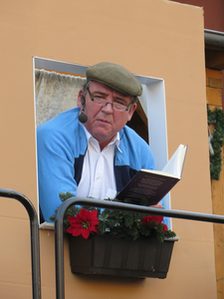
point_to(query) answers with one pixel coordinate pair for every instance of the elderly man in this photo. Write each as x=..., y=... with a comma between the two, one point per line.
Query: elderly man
x=89, y=151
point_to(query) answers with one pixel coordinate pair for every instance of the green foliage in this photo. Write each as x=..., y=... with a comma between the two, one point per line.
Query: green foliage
x=216, y=118
x=124, y=224
x=120, y=223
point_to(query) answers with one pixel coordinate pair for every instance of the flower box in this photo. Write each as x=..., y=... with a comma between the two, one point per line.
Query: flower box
x=111, y=256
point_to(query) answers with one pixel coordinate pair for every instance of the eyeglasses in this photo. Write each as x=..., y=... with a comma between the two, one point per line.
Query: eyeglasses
x=101, y=100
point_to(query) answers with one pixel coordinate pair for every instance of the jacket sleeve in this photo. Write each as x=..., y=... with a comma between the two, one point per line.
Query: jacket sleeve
x=55, y=170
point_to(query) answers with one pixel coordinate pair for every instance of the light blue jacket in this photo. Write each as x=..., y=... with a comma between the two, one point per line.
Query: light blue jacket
x=61, y=147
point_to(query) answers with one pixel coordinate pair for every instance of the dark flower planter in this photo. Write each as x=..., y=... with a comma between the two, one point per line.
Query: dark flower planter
x=104, y=255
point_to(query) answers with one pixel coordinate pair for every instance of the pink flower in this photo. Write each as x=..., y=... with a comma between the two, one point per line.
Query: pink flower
x=84, y=223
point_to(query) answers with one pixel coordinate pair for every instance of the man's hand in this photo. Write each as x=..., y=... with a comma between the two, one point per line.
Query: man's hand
x=157, y=206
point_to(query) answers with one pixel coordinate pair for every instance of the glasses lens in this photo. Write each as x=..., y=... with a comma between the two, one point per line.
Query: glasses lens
x=119, y=107
x=102, y=101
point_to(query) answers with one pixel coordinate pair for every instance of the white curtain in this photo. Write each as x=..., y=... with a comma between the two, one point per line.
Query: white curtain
x=55, y=93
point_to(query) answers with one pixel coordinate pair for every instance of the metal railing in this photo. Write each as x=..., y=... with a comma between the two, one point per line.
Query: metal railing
x=34, y=237
x=59, y=231
x=59, y=236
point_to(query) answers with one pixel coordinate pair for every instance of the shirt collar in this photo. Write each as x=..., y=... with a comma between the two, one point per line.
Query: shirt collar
x=115, y=141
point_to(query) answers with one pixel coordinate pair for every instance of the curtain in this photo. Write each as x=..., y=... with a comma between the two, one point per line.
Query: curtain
x=54, y=93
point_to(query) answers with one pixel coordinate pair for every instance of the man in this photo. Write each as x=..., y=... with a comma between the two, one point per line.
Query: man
x=89, y=151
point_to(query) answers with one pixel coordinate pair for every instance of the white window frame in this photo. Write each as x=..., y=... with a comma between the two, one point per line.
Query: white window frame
x=153, y=101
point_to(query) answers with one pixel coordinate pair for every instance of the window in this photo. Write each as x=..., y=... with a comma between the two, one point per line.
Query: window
x=57, y=85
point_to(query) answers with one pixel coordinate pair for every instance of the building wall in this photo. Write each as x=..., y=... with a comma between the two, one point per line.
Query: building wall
x=151, y=38
x=214, y=92
x=213, y=12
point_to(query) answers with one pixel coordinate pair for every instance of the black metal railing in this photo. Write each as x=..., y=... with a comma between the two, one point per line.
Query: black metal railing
x=59, y=236
x=34, y=237
x=59, y=231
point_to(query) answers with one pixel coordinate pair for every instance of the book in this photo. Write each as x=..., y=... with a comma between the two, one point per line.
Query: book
x=148, y=187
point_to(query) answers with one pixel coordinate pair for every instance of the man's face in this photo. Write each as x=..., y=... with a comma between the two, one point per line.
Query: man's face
x=104, y=121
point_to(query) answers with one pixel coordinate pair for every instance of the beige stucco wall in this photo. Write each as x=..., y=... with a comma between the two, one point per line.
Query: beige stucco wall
x=150, y=37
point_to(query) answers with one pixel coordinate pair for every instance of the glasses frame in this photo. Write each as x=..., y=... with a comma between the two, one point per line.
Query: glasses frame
x=104, y=103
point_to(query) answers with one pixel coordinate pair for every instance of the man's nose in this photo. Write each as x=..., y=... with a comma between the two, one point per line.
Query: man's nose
x=108, y=107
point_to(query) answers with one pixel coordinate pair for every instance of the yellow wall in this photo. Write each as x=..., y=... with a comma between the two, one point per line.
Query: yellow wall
x=150, y=37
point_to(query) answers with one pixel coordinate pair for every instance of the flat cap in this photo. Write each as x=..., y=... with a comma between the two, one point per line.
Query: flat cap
x=116, y=77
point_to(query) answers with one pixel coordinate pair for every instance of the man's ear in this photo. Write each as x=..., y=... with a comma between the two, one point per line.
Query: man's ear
x=132, y=110
x=81, y=99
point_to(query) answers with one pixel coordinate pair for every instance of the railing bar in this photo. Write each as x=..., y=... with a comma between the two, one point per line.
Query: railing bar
x=34, y=238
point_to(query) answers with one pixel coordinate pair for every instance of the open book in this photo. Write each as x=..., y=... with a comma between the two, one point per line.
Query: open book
x=148, y=187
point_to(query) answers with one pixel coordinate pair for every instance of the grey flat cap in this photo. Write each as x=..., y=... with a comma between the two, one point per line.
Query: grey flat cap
x=116, y=77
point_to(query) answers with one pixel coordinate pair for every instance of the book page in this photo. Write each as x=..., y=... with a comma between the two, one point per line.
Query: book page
x=175, y=165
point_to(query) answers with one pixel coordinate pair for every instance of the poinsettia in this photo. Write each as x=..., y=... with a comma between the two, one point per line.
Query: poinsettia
x=152, y=218
x=153, y=225
x=83, y=223
x=86, y=222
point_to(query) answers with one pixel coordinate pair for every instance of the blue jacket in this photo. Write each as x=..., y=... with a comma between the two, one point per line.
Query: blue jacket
x=61, y=147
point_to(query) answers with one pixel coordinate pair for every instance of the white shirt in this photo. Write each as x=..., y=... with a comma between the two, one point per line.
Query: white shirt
x=98, y=180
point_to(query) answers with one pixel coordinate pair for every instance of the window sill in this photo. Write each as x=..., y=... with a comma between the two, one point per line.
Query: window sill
x=47, y=225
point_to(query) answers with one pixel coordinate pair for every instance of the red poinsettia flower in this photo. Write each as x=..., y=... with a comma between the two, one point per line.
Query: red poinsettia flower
x=155, y=219
x=165, y=228
x=84, y=223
